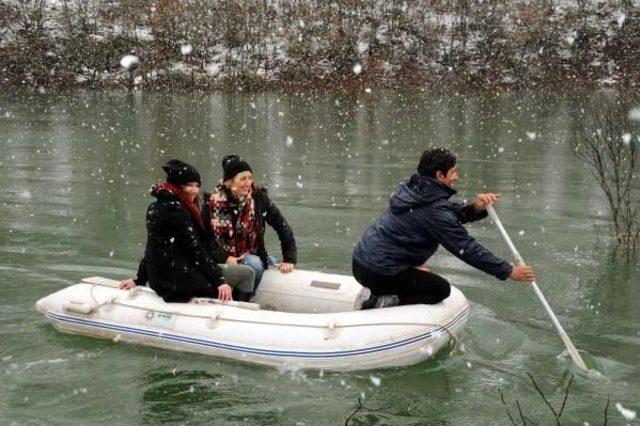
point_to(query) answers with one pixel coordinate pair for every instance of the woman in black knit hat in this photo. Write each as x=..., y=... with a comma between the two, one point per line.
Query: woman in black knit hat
x=179, y=262
x=237, y=212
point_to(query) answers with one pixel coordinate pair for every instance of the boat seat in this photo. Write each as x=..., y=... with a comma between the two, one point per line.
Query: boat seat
x=302, y=291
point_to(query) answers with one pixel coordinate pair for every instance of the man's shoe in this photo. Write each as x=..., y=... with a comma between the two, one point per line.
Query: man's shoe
x=387, y=301
x=370, y=303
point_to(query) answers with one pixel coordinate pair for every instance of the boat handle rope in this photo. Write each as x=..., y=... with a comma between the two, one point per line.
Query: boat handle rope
x=96, y=304
x=119, y=302
x=454, y=339
x=213, y=320
x=134, y=292
x=330, y=332
x=331, y=326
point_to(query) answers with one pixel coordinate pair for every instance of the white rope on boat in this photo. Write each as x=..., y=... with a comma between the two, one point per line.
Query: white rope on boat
x=249, y=321
x=87, y=308
x=217, y=316
x=132, y=293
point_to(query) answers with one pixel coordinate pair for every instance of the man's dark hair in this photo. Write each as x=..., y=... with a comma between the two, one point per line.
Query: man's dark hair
x=436, y=159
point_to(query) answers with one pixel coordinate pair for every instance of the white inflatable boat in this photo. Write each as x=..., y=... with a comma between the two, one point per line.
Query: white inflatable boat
x=301, y=319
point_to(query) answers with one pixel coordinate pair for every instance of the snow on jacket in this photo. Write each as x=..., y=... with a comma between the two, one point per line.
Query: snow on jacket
x=177, y=262
x=420, y=218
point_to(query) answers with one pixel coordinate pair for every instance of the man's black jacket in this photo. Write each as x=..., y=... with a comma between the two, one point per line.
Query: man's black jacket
x=421, y=217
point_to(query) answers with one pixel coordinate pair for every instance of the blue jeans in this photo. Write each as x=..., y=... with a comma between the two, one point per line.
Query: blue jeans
x=256, y=264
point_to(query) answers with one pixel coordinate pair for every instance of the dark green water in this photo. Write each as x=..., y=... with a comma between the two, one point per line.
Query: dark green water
x=75, y=171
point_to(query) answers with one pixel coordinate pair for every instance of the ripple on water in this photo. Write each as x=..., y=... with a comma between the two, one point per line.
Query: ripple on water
x=575, y=258
x=87, y=270
x=491, y=339
x=168, y=395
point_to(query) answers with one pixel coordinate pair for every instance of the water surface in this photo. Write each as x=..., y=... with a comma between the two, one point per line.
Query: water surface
x=76, y=169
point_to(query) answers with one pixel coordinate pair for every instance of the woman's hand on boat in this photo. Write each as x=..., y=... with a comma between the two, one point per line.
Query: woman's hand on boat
x=224, y=292
x=522, y=273
x=483, y=200
x=285, y=266
x=127, y=284
x=231, y=260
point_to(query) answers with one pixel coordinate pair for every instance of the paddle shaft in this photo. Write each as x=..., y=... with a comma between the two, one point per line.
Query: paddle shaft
x=565, y=338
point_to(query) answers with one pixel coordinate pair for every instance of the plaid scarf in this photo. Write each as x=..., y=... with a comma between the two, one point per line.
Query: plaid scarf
x=175, y=190
x=233, y=221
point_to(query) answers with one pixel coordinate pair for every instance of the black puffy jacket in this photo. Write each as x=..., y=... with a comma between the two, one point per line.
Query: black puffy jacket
x=177, y=262
x=420, y=217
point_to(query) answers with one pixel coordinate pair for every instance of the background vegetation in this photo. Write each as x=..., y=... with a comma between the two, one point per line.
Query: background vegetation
x=348, y=44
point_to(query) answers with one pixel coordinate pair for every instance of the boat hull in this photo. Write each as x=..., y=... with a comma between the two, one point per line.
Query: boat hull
x=340, y=341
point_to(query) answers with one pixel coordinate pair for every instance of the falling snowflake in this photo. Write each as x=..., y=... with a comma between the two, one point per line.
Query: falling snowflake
x=428, y=350
x=128, y=61
x=357, y=69
x=363, y=46
x=626, y=413
x=186, y=49
x=375, y=380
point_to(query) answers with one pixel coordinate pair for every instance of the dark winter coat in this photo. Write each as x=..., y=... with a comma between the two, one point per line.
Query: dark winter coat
x=177, y=262
x=419, y=218
x=266, y=213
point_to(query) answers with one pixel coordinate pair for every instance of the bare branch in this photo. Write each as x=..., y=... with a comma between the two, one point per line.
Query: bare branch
x=524, y=422
x=544, y=398
x=358, y=408
x=566, y=395
x=506, y=408
x=602, y=139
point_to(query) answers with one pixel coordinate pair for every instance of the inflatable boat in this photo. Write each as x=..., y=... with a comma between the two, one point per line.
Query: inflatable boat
x=302, y=319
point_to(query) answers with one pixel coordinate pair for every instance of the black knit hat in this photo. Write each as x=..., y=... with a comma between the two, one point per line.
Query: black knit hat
x=232, y=165
x=181, y=173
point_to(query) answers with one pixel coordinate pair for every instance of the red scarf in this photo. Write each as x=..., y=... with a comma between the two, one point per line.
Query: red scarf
x=178, y=192
x=233, y=221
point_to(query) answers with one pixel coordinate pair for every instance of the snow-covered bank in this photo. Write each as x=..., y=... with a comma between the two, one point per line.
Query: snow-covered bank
x=286, y=44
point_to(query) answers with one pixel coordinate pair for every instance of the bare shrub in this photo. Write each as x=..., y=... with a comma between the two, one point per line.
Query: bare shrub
x=604, y=139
